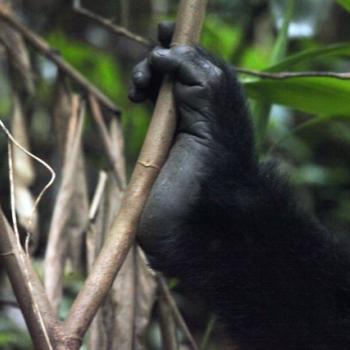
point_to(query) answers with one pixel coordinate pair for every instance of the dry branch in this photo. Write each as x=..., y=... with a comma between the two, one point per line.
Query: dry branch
x=58, y=241
x=109, y=25
x=22, y=89
x=174, y=309
x=78, y=217
x=43, y=47
x=134, y=290
x=29, y=292
x=167, y=325
x=94, y=240
x=18, y=60
x=289, y=75
x=122, y=320
x=153, y=155
x=8, y=303
x=103, y=131
x=117, y=143
x=134, y=293
x=23, y=173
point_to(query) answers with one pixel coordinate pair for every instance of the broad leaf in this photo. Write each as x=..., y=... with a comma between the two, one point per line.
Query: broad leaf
x=307, y=55
x=262, y=108
x=345, y=4
x=316, y=95
x=220, y=37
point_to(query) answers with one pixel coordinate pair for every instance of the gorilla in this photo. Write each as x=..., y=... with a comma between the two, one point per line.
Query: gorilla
x=230, y=226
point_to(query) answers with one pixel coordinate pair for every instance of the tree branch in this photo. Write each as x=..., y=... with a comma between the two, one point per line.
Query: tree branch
x=167, y=325
x=56, y=249
x=103, y=131
x=153, y=155
x=288, y=75
x=43, y=47
x=175, y=311
x=9, y=303
x=109, y=25
x=29, y=292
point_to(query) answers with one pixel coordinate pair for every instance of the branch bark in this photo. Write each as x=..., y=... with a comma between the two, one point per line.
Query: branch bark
x=109, y=25
x=289, y=75
x=29, y=292
x=154, y=152
x=56, y=249
x=166, y=294
x=103, y=131
x=43, y=47
x=167, y=325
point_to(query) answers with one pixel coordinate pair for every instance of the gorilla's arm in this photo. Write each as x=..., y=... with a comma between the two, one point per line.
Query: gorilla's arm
x=230, y=227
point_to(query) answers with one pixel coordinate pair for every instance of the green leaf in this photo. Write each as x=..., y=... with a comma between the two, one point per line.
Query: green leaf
x=256, y=57
x=280, y=47
x=307, y=55
x=220, y=37
x=315, y=95
x=262, y=107
x=97, y=66
x=301, y=127
x=345, y=4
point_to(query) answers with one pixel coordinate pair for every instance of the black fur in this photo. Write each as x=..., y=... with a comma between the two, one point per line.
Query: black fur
x=231, y=227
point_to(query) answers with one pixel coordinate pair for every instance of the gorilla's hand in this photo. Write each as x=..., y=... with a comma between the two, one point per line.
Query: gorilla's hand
x=201, y=83
x=213, y=143
x=232, y=229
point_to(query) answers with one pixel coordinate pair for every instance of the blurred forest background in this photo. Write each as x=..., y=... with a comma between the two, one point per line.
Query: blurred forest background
x=302, y=121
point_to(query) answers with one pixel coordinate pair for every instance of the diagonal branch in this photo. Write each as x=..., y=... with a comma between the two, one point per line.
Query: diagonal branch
x=56, y=249
x=43, y=47
x=164, y=289
x=28, y=289
x=109, y=25
x=154, y=152
x=103, y=131
x=289, y=75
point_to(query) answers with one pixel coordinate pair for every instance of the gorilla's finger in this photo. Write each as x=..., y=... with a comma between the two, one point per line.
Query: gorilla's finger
x=165, y=33
x=141, y=75
x=137, y=95
x=185, y=63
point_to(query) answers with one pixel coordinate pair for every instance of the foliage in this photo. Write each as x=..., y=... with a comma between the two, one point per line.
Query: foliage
x=96, y=65
x=103, y=69
x=10, y=335
x=318, y=96
x=302, y=121
x=345, y=4
x=219, y=36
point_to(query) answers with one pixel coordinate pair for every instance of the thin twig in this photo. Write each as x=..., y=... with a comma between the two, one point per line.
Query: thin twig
x=109, y=25
x=104, y=134
x=167, y=325
x=57, y=239
x=124, y=12
x=93, y=239
x=289, y=75
x=33, y=303
x=8, y=302
x=97, y=197
x=26, y=267
x=177, y=315
x=39, y=160
x=208, y=332
x=43, y=47
x=42, y=192
x=12, y=194
x=27, y=286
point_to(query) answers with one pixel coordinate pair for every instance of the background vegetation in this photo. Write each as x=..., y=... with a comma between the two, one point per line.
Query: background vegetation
x=302, y=121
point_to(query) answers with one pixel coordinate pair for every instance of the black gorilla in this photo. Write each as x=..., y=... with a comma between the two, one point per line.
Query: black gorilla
x=231, y=227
